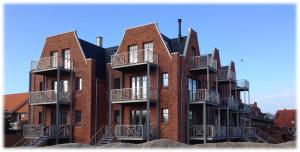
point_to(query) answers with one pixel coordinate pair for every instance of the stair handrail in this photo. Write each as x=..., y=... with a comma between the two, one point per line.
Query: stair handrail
x=106, y=132
x=95, y=135
x=265, y=134
x=18, y=142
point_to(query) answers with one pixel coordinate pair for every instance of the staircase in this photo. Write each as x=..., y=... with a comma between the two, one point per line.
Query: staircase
x=261, y=137
x=104, y=135
x=31, y=142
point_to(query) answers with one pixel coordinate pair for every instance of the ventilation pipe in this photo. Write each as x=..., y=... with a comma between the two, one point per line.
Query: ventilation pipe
x=99, y=41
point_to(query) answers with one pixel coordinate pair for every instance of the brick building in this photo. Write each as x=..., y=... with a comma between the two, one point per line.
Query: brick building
x=286, y=120
x=148, y=87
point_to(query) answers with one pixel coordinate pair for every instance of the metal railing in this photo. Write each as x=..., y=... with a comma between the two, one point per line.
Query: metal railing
x=230, y=102
x=135, y=131
x=51, y=62
x=235, y=132
x=36, y=131
x=203, y=95
x=49, y=96
x=132, y=94
x=202, y=61
x=212, y=131
x=134, y=57
x=243, y=84
x=249, y=131
x=226, y=75
x=33, y=131
x=246, y=108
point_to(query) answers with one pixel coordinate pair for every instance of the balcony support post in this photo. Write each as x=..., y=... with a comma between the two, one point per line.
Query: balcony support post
x=148, y=103
x=249, y=102
x=157, y=100
x=121, y=105
x=219, y=117
x=30, y=107
x=57, y=107
x=44, y=108
x=71, y=109
x=110, y=94
x=188, y=117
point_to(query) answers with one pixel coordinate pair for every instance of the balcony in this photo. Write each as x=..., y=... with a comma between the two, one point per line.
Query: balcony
x=36, y=131
x=49, y=65
x=48, y=97
x=226, y=75
x=246, y=108
x=134, y=60
x=201, y=63
x=243, y=85
x=132, y=95
x=203, y=95
x=134, y=132
x=235, y=132
x=212, y=132
x=230, y=103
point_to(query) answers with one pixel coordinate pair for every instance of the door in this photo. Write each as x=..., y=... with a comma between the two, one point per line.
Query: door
x=133, y=54
x=53, y=59
x=65, y=90
x=66, y=59
x=138, y=85
x=137, y=122
x=148, y=51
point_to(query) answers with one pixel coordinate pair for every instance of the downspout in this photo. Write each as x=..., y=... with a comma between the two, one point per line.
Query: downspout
x=181, y=128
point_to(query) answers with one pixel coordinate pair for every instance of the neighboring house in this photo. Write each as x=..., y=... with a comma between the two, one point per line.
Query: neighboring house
x=286, y=120
x=16, y=109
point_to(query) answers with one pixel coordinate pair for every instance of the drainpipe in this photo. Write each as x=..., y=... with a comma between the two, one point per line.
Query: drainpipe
x=96, y=108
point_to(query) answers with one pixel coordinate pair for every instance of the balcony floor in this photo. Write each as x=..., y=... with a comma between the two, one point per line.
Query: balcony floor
x=203, y=70
x=49, y=103
x=134, y=67
x=208, y=138
x=207, y=102
x=133, y=101
x=51, y=71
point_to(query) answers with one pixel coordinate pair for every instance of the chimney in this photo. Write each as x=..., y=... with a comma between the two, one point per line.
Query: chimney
x=179, y=30
x=99, y=41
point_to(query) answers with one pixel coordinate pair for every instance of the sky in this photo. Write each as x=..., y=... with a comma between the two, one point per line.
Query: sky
x=260, y=39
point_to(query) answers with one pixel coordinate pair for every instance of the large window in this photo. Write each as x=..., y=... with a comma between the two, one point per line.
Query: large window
x=139, y=90
x=117, y=117
x=42, y=86
x=165, y=115
x=165, y=80
x=66, y=58
x=53, y=58
x=117, y=83
x=193, y=86
x=78, y=84
x=77, y=118
x=133, y=54
x=148, y=51
x=40, y=117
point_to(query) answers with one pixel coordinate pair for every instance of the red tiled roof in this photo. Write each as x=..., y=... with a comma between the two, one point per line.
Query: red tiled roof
x=285, y=118
x=16, y=102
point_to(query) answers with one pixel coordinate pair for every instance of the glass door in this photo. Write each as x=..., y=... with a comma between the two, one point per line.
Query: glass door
x=66, y=59
x=133, y=54
x=148, y=51
x=53, y=59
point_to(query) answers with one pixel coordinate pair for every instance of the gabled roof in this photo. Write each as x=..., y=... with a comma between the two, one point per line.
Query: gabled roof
x=16, y=102
x=109, y=52
x=95, y=52
x=174, y=45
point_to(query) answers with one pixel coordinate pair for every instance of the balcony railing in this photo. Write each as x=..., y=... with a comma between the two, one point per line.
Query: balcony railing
x=202, y=61
x=33, y=131
x=133, y=94
x=212, y=131
x=230, y=102
x=226, y=75
x=203, y=95
x=134, y=132
x=243, y=84
x=47, y=97
x=246, y=108
x=134, y=57
x=52, y=62
x=234, y=132
x=36, y=131
x=249, y=131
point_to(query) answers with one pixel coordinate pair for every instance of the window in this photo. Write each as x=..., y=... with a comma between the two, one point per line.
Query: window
x=66, y=58
x=54, y=85
x=165, y=115
x=117, y=83
x=165, y=81
x=77, y=118
x=63, y=118
x=53, y=117
x=117, y=117
x=78, y=84
x=41, y=86
x=191, y=115
x=133, y=54
x=40, y=117
x=54, y=57
x=193, y=86
x=148, y=51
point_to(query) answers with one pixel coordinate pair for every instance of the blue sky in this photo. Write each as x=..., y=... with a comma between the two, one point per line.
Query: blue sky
x=264, y=36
